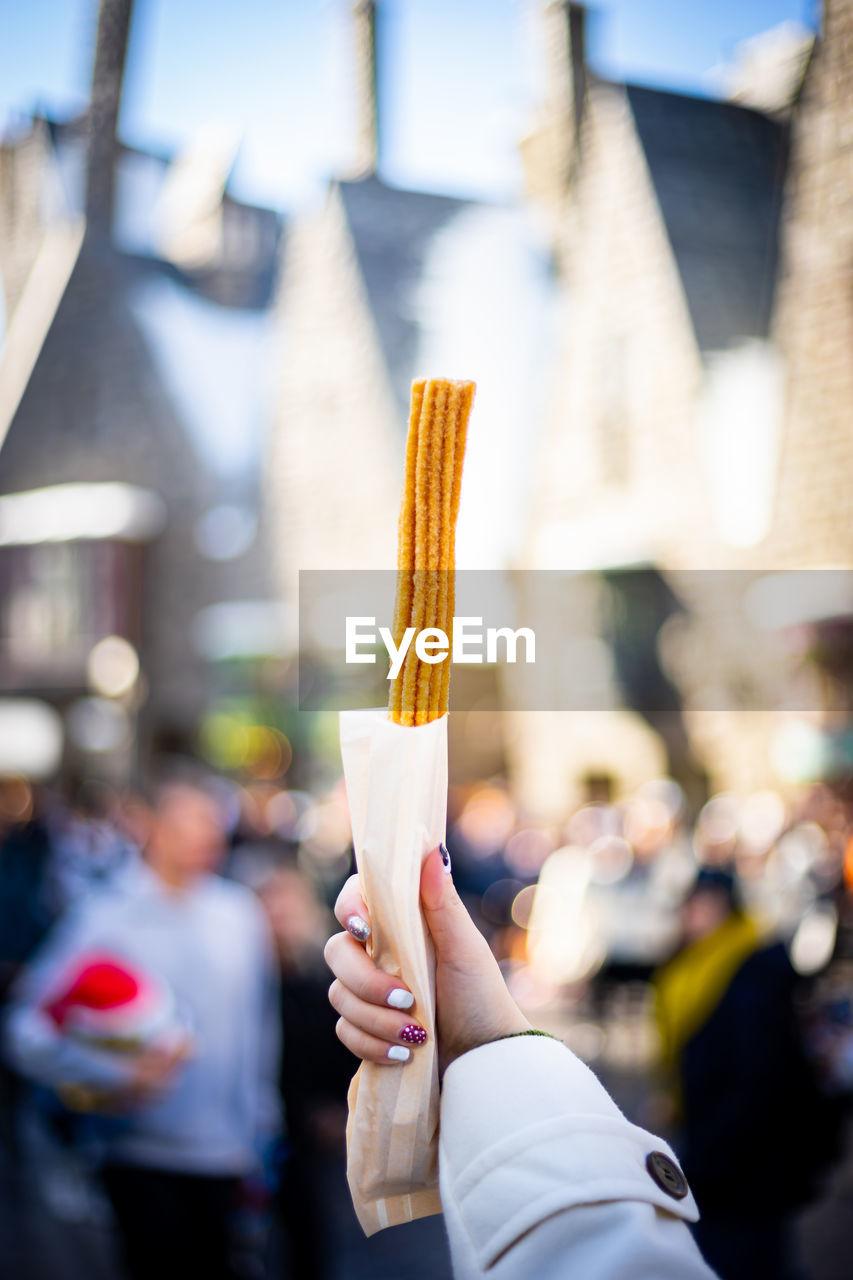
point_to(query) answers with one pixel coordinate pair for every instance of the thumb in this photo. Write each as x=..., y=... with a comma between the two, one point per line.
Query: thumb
x=473, y=1005
x=454, y=933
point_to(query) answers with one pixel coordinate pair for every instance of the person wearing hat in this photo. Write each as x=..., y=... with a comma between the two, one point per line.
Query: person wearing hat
x=156, y=1003
x=107, y=1003
x=753, y=1125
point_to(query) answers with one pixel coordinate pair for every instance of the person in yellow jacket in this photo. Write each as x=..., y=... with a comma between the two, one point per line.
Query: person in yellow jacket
x=749, y=1109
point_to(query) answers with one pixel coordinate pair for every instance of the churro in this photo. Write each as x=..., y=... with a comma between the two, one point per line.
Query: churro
x=406, y=539
x=435, y=450
x=448, y=579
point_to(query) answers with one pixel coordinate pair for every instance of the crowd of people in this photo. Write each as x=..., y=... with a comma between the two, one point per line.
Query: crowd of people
x=147, y=989
x=158, y=949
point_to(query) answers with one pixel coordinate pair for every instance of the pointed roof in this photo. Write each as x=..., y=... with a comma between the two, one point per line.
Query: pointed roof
x=393, y=231
x=90, y=311
x=34, y=314
x=95, y=407
x=718, y=171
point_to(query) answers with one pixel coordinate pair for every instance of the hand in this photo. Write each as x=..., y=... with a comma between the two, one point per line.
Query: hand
x=153, y=1069
x=473, y=1005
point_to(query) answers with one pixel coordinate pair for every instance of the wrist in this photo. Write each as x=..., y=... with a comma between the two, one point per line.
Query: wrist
x=514, y=1025
x=481, y=1032
x=509, y=1035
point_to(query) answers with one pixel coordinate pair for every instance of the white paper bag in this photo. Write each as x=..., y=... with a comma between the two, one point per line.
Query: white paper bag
x=396, y=780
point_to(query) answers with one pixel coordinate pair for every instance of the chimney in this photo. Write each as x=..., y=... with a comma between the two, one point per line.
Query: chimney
x=550, y=153
x=107, y=77
x=565, y=37
x=366, y=158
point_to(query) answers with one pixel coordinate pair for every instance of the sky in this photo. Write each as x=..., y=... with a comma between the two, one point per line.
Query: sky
x=459, y=79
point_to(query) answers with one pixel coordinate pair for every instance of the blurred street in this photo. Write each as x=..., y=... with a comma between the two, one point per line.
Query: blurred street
x=56, y=1223
x=582, y=974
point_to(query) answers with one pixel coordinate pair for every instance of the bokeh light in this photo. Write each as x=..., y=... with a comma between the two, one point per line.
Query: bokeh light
x=97, y=725
x=112, y=667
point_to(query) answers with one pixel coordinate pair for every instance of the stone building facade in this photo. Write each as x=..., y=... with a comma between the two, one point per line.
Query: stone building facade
x=381, y=285
x=337, y=443
x=813, y=517
x=699, y=415
x=697, y=395
x=668, y=439
x=114, y=357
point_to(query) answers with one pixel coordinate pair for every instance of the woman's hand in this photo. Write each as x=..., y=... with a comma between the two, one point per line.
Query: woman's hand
x=378, y=1019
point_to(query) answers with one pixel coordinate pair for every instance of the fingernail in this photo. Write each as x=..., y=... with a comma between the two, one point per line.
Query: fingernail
x=399, y=999
x=445, y=858
x=413, y=1034
x=398, y=1054
x=358, y=927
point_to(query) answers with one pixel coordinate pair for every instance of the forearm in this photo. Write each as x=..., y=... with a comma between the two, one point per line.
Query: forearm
x=588, y=1242
x=542, y=1175
x=36, y=1049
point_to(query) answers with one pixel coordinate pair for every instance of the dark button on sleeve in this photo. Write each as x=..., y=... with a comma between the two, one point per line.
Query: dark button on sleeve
x=667, y=1175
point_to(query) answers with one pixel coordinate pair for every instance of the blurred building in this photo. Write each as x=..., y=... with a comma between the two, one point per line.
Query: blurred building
x=692, y=414
x=668, y=432
x=813, y=514
x=132, y=417
x=812, y=521
x=381, y=285
x=699, y=417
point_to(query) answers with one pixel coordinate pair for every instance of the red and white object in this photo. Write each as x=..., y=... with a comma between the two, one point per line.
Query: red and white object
x=111, y=1004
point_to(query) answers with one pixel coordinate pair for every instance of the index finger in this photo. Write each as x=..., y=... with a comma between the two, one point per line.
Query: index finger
x=351, y=911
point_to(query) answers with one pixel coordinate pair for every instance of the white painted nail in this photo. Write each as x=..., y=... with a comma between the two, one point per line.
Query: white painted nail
x=398, y=1054
x=399, y=999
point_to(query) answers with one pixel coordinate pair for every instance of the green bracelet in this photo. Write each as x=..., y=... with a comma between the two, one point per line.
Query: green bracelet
x=514, y=1034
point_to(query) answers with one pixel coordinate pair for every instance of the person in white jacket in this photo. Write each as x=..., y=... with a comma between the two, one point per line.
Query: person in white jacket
x=540, y=1173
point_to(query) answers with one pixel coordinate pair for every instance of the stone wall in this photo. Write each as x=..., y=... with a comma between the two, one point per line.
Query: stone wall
x=24, y=183
x=619, y=476
x=813, y=523
x=333, y=485
x=619, y=472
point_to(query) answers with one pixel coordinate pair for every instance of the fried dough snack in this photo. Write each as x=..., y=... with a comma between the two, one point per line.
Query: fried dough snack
x=435, y=451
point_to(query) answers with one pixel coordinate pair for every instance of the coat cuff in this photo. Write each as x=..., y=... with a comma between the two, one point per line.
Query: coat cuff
x=527, y=1131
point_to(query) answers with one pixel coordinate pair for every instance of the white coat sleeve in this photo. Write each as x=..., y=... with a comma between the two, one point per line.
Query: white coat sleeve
x=541, y=1174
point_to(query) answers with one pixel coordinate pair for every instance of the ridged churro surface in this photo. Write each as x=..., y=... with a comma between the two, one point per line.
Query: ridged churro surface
x=435, y=450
